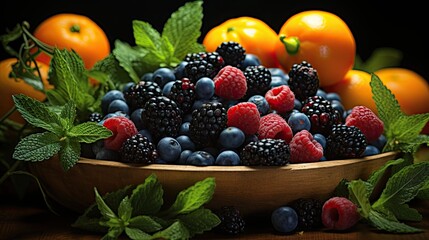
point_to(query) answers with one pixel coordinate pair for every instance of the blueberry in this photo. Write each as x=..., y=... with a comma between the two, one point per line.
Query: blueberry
x=179, y=70
x=338, y=106
x=277, y=72
x=371, y=150
x=167, y=88
x=278, y=81
x=184, y=157
x=186, y=142
x=321, y=139
x=333, y=96
x=380, y=142
x=118, y=105
x=146, y=133
x=184, y=128
x=250, y=60
x=109, y=97
x=231, y=138
x=261, y=103
x=297, y=104
x=200, y=158
x=321, y=93
x=169, y=149
x=136, y=117
x=117, y=113
x=107, y=154
x=284, y=219
x=251, y=138
x=205, y=88
x=228, y=158
x=127, y=86
x=163, y=75
x=299, y=121
x=147, y=77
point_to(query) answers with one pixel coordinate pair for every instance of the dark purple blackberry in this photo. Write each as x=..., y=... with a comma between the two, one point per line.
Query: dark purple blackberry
x=232, y=222
x=183, y=93
x=258, y=80
x=138, y=149
x=321, y=114
x=345, y=142
x=309, y=212
x=207, y=123
x=95, y=117
x=211, y=57
x=197, y=69
x=265, y=152
x=137, y=95
x=162, y=116
x=303, y=80
x=232, y=53
x=194, y=56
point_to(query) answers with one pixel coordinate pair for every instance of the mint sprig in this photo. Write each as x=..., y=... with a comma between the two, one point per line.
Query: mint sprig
x=138, y=214
x=61, y=135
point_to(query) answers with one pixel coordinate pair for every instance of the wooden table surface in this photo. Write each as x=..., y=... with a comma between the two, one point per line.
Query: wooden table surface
x=33, y=220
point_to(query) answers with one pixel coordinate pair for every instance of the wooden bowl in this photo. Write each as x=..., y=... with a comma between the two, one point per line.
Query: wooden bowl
x=254, y=190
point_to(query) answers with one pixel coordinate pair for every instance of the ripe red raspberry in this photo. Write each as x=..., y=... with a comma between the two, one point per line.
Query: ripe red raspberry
x=280, y=98
x=304, y=148
x=122, y=129
x=245, y=116
x=230, y=83
x=273, y=125
x=339, y=213
x=367, y=121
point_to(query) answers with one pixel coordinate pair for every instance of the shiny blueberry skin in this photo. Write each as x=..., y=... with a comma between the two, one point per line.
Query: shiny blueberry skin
x=186, y=142
x=147, y=77
x=169, y=149
x=284, y=219
x=136, y=117
x=228, y=158
x=250, y=60
x=205, y=88
x=163, y=75
x=167, y=88
x=321, y=139
x=107, y=154
x=118, y=105
x=261, y=103
x=371, y=150
x=299, y=121
x=109, y=97
x=200, y=158
x=231, y=138
x=146, y=133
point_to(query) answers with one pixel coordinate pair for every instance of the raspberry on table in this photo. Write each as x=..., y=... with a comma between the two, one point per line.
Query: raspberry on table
x=245, y=116
x=367, y=121
x=339, y=213
x=273, y=125
x=122, y=128
x=280, y=99
x=230, y=83
x=304, y=148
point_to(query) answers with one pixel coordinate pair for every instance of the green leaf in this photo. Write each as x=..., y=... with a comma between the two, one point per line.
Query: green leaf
x=424, y=191
x=176, y=231
x=378, y=174
x=103, y=207
x=147, y=197
x=380, y=58
x=68, y=115
x=137, y=234
x=406, y=213
x=37, y=114
x=359, y=194
x=199, y=221
x=182, y=29
x=145, y=223
x=110, y=70
x=89, y=132
x=406, y=128
x=145, y=35
x=382, y=223
x=69, y=154
x=113, y=233
x=37, y=147
x=125, y=209
x=131, y=59
x=341, y=190
x=193, y=197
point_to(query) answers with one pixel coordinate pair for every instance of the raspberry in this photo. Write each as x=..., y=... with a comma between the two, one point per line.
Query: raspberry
x=367, y=121
x=230, y=83
x=304, y=148
x=245, y=116
x=339, y=213
x=122, y=128
x=273, y=125
x=280, y=98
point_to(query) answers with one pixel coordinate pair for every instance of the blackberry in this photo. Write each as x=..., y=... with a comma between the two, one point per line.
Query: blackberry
x=232, y=222
x=303, y=80
x=345, y=142
x=207, y=123
x=211, y=57
x=258, y=80
x=309, y=212
x=95, y=117
x=266, y=152
x=232, y=53
x=162, y=116
x=194, y=56
x=138, y=149
x=183, y=93
x=197, y=69
x=137, y=95
x=321, y=114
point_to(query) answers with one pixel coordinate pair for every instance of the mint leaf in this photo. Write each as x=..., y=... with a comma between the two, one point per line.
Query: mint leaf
x=341, y=190
x=199, y=221
x=182, y=29
x=109, y=71
x=37, y=147
x=193, y=197
x=89, y=132
x=113, y=233
x=103, y=207
x=125, y=209
x=69, y=153
x=147, y=197
x=37, y=113
x=381, y=222
x=131, y=59
x=134, y=233
x=175, y=231
x=359, y=194
x=380, y=58
x=406, y=213
x=68, y=115
x=145, y=223
x=424, y=191
x=146, y=36
x=378, y=174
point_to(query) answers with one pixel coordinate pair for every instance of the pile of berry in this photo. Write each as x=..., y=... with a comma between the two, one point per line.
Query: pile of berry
x=225, y=108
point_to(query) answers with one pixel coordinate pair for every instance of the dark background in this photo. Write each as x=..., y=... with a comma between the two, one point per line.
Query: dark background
x=375, y=24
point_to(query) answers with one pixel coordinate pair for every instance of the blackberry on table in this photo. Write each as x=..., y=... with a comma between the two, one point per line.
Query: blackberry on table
x=183, y=93
x=162, y=116
x=232, y=222
x=309, y=212
x=303, y=80
x=321, y=114
x=137, y=95
x=138, y=149
x=233, y=53
x=345, y=142
x=266, y=152
x=258, y=80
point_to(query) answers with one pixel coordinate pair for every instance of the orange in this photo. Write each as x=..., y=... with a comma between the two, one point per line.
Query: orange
x=321, y=38
x=10, y=86
x=74, y=31
x=253, y=34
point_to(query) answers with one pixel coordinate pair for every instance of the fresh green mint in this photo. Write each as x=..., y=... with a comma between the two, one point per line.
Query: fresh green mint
x=137, y=212
x=61, y=135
